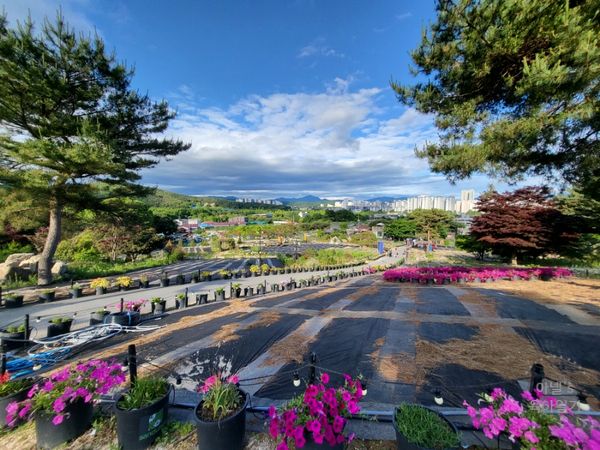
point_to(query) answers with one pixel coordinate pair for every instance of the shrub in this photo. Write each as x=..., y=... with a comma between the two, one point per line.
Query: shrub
x=100, y=283
x=14, y=247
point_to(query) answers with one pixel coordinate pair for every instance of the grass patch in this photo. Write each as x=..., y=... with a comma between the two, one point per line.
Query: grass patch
x=173, y=432
x=80, y=270
x=425, y=428
x=330, y=257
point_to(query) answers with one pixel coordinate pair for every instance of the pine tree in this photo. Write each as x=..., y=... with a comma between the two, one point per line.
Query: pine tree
x=77, y=133
x=514, y=86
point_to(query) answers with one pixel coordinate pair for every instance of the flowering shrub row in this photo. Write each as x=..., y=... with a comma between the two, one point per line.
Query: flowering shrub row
x=527, y=423
x=454, y=274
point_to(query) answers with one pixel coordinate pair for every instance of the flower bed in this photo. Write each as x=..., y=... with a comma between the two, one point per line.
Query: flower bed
x=455, y=274
x=529, y=424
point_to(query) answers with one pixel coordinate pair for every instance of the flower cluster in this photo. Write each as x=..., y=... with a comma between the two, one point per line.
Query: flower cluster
x=528, y=424
x=86, y=381
x=221, y=396
x=453, y=274
x=319, y=414
x=135, y=305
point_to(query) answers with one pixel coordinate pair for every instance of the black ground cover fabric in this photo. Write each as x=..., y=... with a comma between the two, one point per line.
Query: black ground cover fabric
x=382, y=300
x=324, y=302
x=233, y=355
x=457, y=383
x=581, y=348
x=439, y=301
x=520, y=308
x=342, y=346
x=276, y=301
x=443, y=332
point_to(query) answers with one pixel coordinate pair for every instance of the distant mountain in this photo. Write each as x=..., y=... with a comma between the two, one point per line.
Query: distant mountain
x=305, y=199
x=387, y=199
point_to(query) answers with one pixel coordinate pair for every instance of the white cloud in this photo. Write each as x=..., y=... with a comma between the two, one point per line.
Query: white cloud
x=403, y=16
x=330, y=142
x=319, y=48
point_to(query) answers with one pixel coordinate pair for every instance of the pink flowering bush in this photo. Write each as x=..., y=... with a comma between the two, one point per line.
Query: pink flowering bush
x=135, y=305
x=528, y=424
x=222, y=397
x=453, y=274
x=85, y=381
x=319, y=414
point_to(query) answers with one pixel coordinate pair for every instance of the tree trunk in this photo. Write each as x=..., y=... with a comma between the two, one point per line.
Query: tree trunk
x=52, y=240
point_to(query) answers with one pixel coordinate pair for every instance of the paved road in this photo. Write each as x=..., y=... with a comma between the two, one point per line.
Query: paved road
x=83, y=306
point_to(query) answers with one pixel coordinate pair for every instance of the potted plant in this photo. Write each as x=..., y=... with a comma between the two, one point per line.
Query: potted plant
x=180, y=278
x=13, y=301
x=248, y=292
x=62, y=406
x=135, y=305
x=221, y=415
x=205, y=276
x=98, y=316
x=261, y=289
x=58, y=326
x=254, y=270
x=236, y=290
x=237, y=274
x=317, y=418
x=144, y=281
x=225, y=274
x=265, y=269
x=100, y=285
x=47, y=295
x=12, y=391
x=219, y=294
x=181, y=301
x=159, y=305
x=164, y=280
x=124, y=283
x=195, y=277
x=141, y=412
x=418, y=427
x=12, y=337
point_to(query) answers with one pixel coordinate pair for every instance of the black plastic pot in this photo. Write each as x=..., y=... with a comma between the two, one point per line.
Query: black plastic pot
x=219, y=296
x=11, y=341
x=237, y=293
x=76, y=292
x=78, y=419
x=260, y=291
x=56, y=329
x=249, y=292
x=145, y=284
x=47, y=297
x=164, y=282
x=13, y=301
x=401, y=441
x=201, y=299
x=15, y=397
x=312, y=445
x=180, y=279
x=160, y=307
x=227, y=434
x=126, y=318
x=98, y=317
x=138, y=428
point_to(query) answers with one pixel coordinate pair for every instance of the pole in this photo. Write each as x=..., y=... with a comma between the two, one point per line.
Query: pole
x=537, y=377
x=312, y=377
x=2, y=363
x=121, y=305
x=186, y=298
x=132, y=364
x=26, y=324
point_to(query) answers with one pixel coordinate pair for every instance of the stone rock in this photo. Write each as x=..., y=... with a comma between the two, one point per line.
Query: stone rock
x=59, y=269
x=12, y=271
x=31, y=264
x=16, y=258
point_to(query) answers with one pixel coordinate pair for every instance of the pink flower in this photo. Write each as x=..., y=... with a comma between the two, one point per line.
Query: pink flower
x=58, y=419
x=282, y=446
x=233, y=379
x=324, y=378
x=531, y=437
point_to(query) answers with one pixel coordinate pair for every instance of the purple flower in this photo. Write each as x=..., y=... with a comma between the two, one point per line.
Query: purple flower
x=58, y=419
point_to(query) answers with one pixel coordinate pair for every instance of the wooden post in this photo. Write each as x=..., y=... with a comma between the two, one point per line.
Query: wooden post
x=132, y=364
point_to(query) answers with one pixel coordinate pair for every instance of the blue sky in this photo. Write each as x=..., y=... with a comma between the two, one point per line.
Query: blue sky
x=276, y=97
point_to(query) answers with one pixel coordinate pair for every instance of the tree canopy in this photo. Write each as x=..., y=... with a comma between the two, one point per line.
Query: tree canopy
x=514, y=87
x=77, y=133
x=525, y=222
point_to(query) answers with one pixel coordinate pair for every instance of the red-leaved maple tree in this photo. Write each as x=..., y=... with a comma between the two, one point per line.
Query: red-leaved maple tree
x=525, y=222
